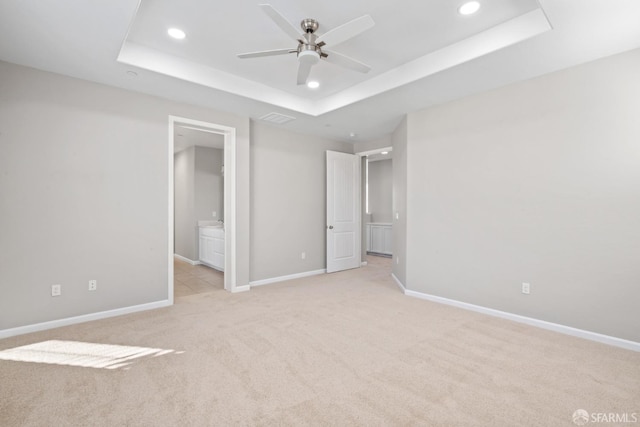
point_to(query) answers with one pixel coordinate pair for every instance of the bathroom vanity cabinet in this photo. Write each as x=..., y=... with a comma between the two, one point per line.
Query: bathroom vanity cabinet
x=379, y=238
x=212, y=247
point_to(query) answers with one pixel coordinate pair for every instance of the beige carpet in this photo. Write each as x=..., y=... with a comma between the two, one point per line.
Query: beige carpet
x=340, y=349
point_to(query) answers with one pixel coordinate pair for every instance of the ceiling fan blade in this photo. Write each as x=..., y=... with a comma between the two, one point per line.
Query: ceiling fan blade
x=265, y=53
x=346, y=31
x=304, y=69
x=281, y=21
x=345, y=61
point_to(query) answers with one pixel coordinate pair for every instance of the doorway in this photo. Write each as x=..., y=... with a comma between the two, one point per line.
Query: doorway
x=228, y=135
x=377, y=205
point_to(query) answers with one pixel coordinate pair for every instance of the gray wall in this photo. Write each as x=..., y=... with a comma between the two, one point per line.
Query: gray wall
x=380, y=190
x=288, y=201
x=208, y=183
x=382, y=142
x=399, y=139
x=84, y=195
x=199, y=191
x=184, y=240
x=535, y=182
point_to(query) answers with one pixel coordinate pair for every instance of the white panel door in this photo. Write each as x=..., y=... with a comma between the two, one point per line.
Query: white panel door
x=343, y=211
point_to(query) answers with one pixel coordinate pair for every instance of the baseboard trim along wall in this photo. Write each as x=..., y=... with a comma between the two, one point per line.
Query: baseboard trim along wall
x=399, y=283
x=288, y=277
x=243, y=288
x=6, y=333
x=187, y=260
x=567, y=330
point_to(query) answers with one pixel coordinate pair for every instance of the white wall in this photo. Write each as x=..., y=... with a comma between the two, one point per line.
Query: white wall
x=288, y=201
x=380, y=190
x=84, y=195
x=536, y=182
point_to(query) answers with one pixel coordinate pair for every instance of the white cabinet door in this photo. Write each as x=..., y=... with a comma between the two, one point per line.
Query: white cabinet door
x=379, y=239
x=206, y=249
x=387, y=245
x=218, y=252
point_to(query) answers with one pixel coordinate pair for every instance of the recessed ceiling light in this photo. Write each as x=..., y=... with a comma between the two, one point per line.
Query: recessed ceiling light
x=353, y=134
x=469, y=8
x=176, y=33
x=132, y=74
x=313, y=84
x=384, y=153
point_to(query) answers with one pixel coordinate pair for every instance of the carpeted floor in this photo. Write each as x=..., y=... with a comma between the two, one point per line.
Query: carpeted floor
x=340, y=349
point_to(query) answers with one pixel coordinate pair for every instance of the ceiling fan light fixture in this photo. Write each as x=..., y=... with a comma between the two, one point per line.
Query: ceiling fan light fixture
x=313, y=84
x=176, y=33
x=309, y=56
x=469, y=8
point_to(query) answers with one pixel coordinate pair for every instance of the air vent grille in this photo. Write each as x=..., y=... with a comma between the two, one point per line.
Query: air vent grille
x=277, y=118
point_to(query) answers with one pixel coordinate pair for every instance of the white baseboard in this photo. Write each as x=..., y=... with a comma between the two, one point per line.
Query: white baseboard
x=567, y=330
x=289, y=277
x=187, y=260
x=243, y=288
x=399, y=283
x=363, y=263
x=81, y=319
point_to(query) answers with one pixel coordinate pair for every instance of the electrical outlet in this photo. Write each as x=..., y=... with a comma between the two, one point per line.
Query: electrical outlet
x=56, y=290
x=93, y=285
x=526, y=288
x=398, y=260
x=214, y=214
x=303, y=255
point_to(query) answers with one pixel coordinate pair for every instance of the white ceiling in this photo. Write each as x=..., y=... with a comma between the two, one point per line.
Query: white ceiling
x=421, y=53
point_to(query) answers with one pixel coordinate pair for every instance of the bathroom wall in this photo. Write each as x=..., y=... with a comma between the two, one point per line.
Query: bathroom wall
x=184, y=162
x=208, y=183
x=199, y=191
x=380, y=190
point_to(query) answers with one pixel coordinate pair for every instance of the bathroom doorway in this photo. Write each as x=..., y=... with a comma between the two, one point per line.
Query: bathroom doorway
x=202, y=197
x=377, y=206
x=198, y=210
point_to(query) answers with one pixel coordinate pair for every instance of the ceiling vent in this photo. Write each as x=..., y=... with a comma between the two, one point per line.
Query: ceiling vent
x=277, y=118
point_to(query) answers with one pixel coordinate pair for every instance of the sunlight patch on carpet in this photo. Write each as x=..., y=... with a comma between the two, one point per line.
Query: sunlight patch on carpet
x=83, y=354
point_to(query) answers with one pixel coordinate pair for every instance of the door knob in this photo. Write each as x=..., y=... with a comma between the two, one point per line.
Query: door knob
x=330, y=227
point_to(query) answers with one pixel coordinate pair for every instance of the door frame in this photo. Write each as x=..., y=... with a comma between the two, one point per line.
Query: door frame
x=229, y=134
x=363, y=196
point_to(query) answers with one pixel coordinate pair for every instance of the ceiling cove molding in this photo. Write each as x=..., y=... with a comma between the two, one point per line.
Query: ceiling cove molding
x=508, y=33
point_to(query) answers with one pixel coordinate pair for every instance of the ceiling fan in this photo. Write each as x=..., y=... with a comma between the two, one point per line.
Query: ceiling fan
x=310, y=45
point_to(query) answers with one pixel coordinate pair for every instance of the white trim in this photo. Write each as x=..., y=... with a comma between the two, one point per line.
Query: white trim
x=187, y=260
x=6, y=333
x=243, y=288
x=288, y=277
x=399, y=283
x=567, y=330
x=230, y=167
x=363, y=263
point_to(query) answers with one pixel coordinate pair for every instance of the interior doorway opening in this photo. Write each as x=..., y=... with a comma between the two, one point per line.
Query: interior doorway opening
x=377, y=203
x=226, y=219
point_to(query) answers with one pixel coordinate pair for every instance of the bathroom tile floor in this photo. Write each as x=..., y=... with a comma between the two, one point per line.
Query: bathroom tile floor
x=195, y=279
